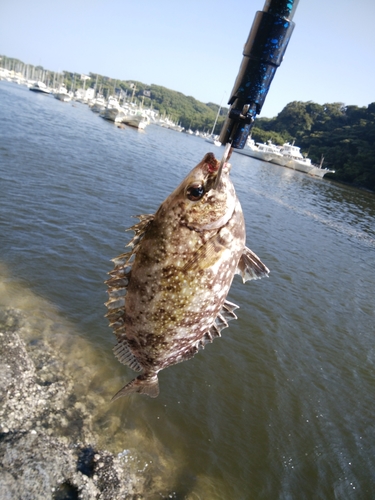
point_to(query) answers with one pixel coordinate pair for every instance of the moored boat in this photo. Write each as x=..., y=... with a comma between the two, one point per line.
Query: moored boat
x=136, y=120
x=261, y=151
x=319, y=171
x=168, y=123
x=292, y=158
x=98, y=104
x=213, y=139
x=112, y=111
x=40, y=87
x=62, y=94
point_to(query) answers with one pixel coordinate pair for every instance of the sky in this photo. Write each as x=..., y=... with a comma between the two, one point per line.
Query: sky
x=195, y=47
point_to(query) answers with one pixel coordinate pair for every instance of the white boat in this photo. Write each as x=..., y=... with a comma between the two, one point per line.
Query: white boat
x=292, y=158
x=98, y=104
x=319, y=171
x=167, y=123
x=213, y=139
x=280, y=158
x=112, y=111
x=138, y=120
x=261, y=151
x=62, y=94
x=40, y=87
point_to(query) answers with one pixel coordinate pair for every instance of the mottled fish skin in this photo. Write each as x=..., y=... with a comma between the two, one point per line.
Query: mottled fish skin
x=177, y=275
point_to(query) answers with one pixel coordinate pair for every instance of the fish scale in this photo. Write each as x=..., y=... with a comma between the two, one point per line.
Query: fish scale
x=167, y=295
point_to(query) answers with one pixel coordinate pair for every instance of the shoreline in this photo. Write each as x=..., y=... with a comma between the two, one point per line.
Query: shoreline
x=47, y=447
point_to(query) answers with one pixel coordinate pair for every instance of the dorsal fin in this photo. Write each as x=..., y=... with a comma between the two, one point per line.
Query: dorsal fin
x=122, y=260
x=250, y=267
x=118, y=283
x=140, y=229
x=114, y=314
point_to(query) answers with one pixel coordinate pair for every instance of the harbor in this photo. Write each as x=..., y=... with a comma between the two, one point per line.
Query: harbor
x=122, y=111
x=118, y=107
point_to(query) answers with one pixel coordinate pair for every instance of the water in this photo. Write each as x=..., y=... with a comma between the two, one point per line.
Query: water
x=282, y=406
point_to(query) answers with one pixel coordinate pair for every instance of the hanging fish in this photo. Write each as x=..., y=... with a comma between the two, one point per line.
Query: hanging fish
x=167, y=295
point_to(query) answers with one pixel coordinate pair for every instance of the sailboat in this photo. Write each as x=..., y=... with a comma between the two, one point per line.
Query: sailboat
x=213, y=139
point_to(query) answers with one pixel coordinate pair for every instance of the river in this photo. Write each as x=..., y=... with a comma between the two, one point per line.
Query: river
x=282, y=406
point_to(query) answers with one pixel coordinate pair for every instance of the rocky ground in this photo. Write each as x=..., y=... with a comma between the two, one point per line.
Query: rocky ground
x=47, y=450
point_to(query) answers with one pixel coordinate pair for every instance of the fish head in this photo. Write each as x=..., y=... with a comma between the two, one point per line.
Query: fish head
x=206, y=198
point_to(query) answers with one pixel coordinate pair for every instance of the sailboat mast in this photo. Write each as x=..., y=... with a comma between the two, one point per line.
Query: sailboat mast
x=217, y=115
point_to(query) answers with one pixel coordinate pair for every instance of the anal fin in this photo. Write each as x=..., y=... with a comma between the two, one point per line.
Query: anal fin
x=250, y=267
x=226, y=314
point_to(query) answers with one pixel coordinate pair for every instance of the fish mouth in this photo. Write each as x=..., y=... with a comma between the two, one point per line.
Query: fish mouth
x=226, y=156
x=212, y=162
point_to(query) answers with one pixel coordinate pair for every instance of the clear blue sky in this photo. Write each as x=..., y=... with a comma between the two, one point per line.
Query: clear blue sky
x=195, y=47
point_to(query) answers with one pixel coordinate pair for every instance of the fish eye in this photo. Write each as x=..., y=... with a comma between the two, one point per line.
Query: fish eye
x=195, y=192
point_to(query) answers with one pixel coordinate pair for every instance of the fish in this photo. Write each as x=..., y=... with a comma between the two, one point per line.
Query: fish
x=168, y=292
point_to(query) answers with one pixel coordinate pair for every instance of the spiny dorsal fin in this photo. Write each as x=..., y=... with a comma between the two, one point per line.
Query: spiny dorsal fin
x=118, y=303
x=114, y=314
x=125, y=356
x=250, y=267
x=122, y=261
x=120, y=277
x=140, y=229
x=117, y=282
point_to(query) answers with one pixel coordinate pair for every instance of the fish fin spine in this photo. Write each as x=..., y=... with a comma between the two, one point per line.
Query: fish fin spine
x=140, y=229
x=229, y=306
x=221, y=321
x=117, y=282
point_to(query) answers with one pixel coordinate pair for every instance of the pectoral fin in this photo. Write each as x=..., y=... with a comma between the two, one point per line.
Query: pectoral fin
x=250, y=267
x=206, y=255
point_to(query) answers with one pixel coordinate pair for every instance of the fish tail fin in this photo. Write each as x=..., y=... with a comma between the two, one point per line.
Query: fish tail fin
x=144, y=384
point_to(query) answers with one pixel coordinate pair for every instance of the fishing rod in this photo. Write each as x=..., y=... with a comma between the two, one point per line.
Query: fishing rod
x=262, y=55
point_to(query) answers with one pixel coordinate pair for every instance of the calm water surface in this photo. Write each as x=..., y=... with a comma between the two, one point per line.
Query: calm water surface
x=282, y=407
